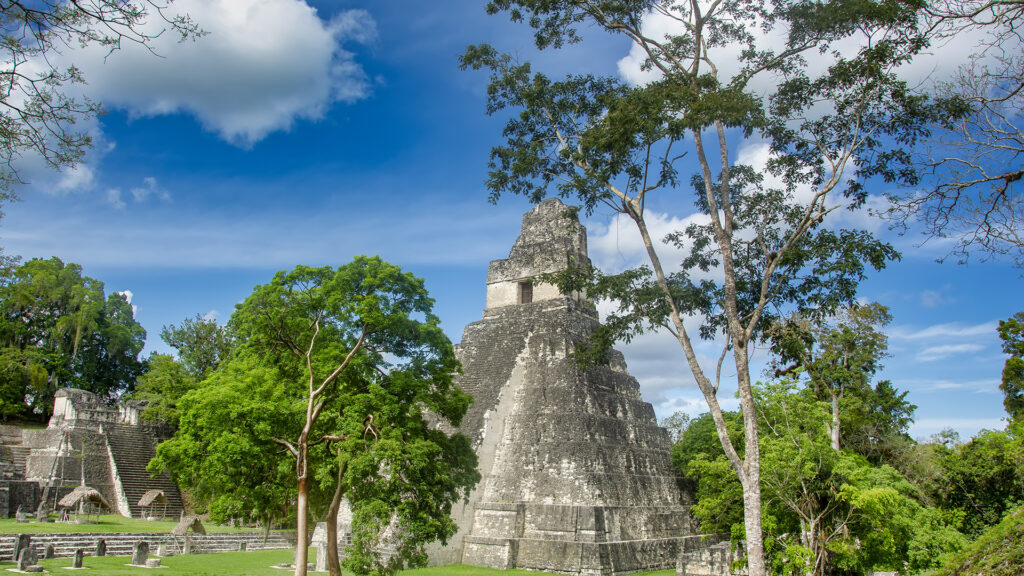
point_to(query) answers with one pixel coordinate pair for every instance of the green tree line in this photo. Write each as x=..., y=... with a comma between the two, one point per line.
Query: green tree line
x=58, y=328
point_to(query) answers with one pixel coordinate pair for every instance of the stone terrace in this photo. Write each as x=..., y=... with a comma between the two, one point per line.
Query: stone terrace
x=120, y=544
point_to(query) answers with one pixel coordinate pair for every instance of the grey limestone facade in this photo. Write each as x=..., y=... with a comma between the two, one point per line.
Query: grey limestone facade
x=86, y=442
x=576, y=476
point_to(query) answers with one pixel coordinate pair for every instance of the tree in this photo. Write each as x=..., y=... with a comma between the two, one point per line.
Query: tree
x=162, y=386
x=56, y=322
x=826, y=511
x=110, y=359
x=974, y=191
x=676, y=424
x=223, y=450
x=1011, y=331
x=761, y=239
x=361, y=341
x=37, y=114
x=980, y=480
x=840, y=355
x=202, y=344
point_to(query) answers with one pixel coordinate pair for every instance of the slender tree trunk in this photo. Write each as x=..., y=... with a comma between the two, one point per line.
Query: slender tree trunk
x=751, y=477
x=333, y=557
x=748, y=468
x=302, y=510
x=834, y=429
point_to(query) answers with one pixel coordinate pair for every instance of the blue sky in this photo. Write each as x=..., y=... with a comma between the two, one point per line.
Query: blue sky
x=302, y=133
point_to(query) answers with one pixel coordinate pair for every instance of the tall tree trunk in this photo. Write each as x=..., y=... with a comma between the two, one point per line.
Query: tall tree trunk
x=302, y=526
x=834, y=429
x=751, y=477
x=333, y=557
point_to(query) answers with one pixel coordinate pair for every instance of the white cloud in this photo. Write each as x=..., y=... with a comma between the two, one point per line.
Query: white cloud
x=211, y=315
x=114, y=198
x=150, y=188
x=936, y=63
x=263, y=65
x=617, y=245
x=949, y=330
x=933, y=353
x=935, y=298
x=931, y=299
x=79, y=177
x=128, y=295
x=983, y=386
x=233, y=238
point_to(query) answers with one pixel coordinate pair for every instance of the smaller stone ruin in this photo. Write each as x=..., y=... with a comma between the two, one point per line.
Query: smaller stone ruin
x=87, y=443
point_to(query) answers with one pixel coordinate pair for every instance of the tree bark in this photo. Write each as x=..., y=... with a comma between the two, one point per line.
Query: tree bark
x=333, y=557
x=834, y=429
x=751, y=477
x=302, y=526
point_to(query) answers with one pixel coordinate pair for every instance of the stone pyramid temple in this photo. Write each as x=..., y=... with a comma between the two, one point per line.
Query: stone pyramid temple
x=576, y=477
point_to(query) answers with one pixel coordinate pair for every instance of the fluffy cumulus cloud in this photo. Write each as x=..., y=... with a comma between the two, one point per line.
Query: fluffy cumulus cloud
x=938, y=62
x=616, y=245
x=262, y=65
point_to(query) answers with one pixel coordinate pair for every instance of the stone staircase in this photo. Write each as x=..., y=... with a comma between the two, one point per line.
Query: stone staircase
x=132, y=452
x=13, y=454
x=120, y=544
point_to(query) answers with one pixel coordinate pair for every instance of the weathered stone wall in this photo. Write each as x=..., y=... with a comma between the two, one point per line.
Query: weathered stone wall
x=15, y=493
x=90, y=442
x=66, y=455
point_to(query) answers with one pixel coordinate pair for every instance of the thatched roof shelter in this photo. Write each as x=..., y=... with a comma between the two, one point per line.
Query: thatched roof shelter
x=153, y=497
x=84, y=494
x=187, y=523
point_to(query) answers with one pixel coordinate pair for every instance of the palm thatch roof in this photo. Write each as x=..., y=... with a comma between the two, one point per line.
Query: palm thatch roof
x=186, y=523
x=151, y=497
x=87, y=494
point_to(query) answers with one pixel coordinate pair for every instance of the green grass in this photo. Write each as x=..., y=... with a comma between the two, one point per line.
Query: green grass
x=256, y=563
x=107, y=523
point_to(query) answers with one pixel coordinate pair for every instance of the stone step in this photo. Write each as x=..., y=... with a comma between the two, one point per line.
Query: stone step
x=121, y=544
x=132, y=453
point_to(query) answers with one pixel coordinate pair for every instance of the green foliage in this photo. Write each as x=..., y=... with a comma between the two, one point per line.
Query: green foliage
x=676, y=424
x=336, y=375
x=1011, y=331
x=57, y=328
x=825, y=511
x=701, y=438
x=840, y=355
x=998, y=551
x=161, y=387
x=201, y=343
x=223, y=452
x=981, y=479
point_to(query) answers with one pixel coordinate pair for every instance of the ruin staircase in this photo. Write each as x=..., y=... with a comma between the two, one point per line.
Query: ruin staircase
x=132, y=452
x=13, y=454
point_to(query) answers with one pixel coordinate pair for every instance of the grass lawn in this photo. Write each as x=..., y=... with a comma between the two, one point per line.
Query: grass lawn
x=256, y=563
x=107, y=523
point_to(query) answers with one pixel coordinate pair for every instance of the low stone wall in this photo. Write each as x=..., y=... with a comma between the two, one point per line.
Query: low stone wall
x=709, y=555
x=120, y=544
x=18, y=493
